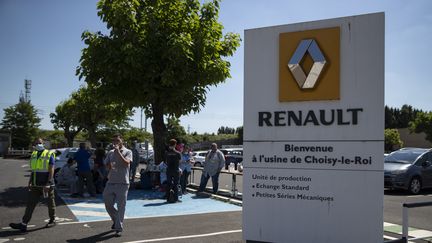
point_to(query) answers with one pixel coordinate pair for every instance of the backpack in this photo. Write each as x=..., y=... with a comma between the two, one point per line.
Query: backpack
x=171, y=196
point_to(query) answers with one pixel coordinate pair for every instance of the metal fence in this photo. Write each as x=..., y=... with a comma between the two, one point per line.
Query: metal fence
x=233, y=191
x=405, y=222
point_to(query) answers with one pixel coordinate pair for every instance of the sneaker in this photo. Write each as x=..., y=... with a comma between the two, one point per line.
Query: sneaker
x=118, y=233
x=51, y=223
x=20, y=226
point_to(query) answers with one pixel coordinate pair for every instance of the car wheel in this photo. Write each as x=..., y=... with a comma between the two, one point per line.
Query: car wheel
x=197, y=164
x=415, y=185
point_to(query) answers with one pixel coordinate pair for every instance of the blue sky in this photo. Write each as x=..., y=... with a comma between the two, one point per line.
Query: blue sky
x=41, y=41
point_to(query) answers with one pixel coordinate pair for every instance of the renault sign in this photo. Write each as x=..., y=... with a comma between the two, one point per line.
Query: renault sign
x=314, y=131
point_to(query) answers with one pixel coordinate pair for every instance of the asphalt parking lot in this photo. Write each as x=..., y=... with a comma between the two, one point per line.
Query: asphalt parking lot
x=150, y=219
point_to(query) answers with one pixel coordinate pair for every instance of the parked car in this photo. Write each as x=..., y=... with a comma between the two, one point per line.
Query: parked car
x=409, y=169
x=232, y=155
x=63, y=155
x=199, y=157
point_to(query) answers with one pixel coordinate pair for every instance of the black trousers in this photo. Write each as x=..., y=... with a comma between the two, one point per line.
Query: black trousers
x=172, y=182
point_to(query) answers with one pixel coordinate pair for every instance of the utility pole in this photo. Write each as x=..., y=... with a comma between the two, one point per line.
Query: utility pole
x=27, y=86
x=141, y=119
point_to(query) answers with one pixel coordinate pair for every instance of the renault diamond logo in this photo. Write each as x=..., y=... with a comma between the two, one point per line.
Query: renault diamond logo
x=305, y=74
x=309, y=81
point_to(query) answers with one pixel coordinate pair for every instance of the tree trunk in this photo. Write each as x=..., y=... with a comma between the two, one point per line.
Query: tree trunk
x=92, y=136
x=70, y=135
x=69, y=138
x=159, y=132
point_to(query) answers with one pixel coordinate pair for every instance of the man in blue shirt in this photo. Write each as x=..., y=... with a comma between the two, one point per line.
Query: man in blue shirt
x=85, y=176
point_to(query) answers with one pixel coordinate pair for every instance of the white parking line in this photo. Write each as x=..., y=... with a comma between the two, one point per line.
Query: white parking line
x=393, y=238
x=90, y=213
x=87, y=205
x=414, y=196
x=186, y=236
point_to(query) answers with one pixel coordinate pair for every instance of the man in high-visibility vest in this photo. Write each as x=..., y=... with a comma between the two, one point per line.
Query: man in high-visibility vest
x=41, y=183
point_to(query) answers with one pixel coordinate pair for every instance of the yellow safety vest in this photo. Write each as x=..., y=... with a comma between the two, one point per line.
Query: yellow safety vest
x=40, y=164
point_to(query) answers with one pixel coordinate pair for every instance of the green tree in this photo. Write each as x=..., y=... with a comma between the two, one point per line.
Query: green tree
x=392, y=139
x=175, y=130
x=55, y=137
x=159, y=55
x=95, y=113
x=65, y=117
x=136, y=134
x=423, y=123
x=239, y=132
x=400, y=118
x=225, y=130
x=22, y=122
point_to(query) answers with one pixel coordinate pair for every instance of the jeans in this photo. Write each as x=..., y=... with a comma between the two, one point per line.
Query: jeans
x=133, y=169
x=184, y=180
x=204, y=179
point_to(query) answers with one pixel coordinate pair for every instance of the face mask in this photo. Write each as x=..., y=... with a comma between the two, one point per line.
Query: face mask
x=39, y=147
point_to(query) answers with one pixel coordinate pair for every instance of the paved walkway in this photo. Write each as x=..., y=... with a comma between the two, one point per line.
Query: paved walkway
x=144, y=204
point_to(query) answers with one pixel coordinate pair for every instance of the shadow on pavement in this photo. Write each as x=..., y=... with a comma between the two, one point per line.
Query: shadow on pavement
x=396, y=192
x=9, y=233
x=155, y=204
x=15, y=197
x=95, y=238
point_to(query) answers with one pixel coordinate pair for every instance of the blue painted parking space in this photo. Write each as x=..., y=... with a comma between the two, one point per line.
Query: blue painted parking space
x=145, y=203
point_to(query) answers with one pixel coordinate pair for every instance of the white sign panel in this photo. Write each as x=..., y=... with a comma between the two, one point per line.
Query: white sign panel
x=314, y=131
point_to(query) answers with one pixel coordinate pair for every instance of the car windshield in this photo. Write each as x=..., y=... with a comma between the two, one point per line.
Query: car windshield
x=71, y=154
x=405, y=157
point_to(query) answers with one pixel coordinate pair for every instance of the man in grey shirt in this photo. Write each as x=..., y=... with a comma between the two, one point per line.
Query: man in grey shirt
x=118, y=163
x=213, y=164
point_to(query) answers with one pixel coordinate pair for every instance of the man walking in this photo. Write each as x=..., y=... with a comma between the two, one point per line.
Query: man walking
x=41, y=182
x=213, y=164
x=118, y=163
x=85, y=176
x=172, y=159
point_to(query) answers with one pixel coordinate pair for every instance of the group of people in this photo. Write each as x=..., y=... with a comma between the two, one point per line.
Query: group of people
x=42, y=163
x=177, y=168
x=117, y=165
x=83, y=175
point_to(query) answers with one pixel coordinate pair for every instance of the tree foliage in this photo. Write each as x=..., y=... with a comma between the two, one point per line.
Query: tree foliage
x=159, y=55
x=97, y=112
x=55, y=137
x=239, y=132
x=66, y=117
x=226, y=130
x=86, y=109
x=175, y=130
x=400, y=118
x=392, y=139
x=423, y=123
x=22, y=121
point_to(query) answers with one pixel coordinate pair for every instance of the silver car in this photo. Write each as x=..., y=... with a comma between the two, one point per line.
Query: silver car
x=409, y=169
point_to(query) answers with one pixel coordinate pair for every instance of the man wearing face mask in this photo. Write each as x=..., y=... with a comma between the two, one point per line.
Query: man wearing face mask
x=118, y=163
x=41, y=182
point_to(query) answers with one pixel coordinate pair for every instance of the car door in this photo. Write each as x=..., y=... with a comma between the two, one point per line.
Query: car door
x=427, y=171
